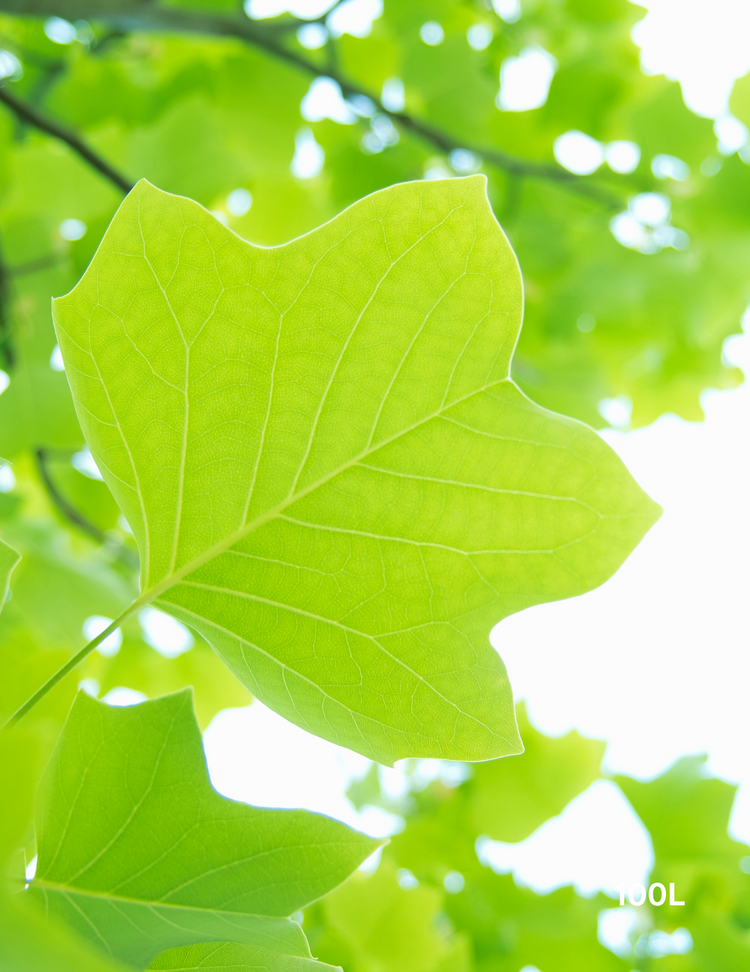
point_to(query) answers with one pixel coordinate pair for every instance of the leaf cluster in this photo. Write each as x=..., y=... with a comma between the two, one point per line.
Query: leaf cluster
x=321, y=457
x=457, y=913
x=342, y=529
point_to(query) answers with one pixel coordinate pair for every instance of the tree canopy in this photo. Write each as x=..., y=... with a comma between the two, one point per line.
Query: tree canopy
x=339, y=302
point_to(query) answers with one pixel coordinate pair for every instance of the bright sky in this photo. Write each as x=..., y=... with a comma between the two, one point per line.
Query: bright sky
x=656, y=661
x=701, y=43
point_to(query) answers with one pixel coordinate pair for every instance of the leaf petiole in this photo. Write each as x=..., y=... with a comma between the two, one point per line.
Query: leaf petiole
x=60, y=674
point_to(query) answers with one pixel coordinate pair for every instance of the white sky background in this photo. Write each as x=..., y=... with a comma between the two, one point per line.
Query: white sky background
x=656, y=661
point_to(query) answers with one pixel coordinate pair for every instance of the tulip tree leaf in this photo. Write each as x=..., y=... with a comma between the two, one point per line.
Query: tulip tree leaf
x=327, y=469
x=139, y=854
x=232, y=957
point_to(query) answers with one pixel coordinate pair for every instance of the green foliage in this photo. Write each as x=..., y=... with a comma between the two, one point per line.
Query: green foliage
x=375, y=924
x=502, y=799
x=139, y=854
x=686, y=814
x=330, y=475
x=202, y=115
x=510, y=799
x=452, y=905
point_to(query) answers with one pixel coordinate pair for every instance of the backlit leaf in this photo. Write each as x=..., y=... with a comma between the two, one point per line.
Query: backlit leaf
x=325, y=464
x=139, y=854
x=31, y=943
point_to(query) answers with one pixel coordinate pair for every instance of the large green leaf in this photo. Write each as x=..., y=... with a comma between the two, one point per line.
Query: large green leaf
x=138, y=853
x=233, y=957
x=327, y=469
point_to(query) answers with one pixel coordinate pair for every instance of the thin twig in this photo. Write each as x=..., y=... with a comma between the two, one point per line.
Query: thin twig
x=136, y=15
x=60, y=674
x=33, y=116
x=74, y=515
x=71, y=514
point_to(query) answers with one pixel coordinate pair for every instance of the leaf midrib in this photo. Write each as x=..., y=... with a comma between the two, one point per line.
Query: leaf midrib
x=169, y=580
x=66, y=890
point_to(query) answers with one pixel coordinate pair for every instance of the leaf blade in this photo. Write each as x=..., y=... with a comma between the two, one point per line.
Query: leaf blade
x=138, y=853
x=227, y=390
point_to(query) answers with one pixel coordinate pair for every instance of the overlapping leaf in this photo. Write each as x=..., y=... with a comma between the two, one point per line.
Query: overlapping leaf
x=139, y=854
x=325, y=464
x=28, y=943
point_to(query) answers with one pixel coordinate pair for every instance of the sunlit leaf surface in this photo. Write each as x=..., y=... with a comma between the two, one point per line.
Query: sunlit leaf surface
x=138, y=853
x=326, y=466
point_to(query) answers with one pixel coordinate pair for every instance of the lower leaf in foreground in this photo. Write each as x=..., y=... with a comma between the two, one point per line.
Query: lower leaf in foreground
x=29, y=943
x=232, y=957
x=139, y=854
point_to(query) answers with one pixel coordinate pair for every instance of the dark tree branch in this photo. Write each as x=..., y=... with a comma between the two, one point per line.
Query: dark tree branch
x=27, y=113
x=68, y=511
x=138, y=15
x=73, y=515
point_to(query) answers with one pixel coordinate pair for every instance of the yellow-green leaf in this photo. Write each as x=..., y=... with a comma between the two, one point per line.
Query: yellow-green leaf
x=328, y=471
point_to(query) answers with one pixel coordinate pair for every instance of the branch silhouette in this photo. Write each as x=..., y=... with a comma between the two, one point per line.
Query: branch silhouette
x=32, y=116
x=72, y=514
x=139, y=15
